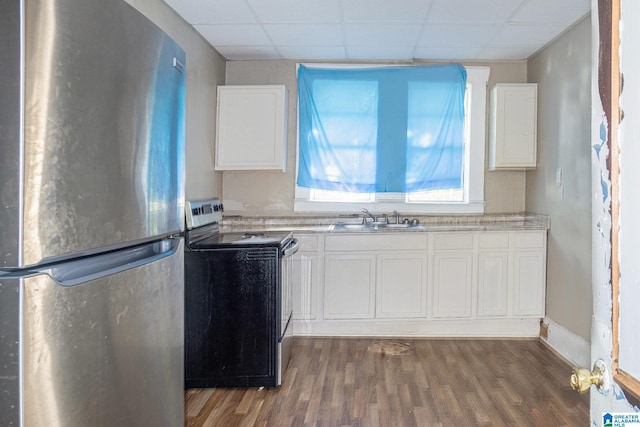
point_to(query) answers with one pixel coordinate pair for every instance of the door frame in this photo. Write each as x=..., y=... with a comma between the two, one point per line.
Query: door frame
x=610, y=83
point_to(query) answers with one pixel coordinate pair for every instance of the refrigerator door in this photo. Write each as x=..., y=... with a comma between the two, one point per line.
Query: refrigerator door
x=93, y=139
x=101, y=341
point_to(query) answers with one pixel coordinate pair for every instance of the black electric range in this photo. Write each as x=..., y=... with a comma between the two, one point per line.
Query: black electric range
x=238, y=302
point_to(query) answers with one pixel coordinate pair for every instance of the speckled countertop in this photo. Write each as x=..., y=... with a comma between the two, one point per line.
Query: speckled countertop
x=322, y=224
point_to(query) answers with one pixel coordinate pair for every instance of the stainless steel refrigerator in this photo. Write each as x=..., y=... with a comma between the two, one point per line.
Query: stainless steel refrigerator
x=91, y=211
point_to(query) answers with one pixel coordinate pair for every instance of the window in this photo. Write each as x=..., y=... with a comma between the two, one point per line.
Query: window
x=381, y=191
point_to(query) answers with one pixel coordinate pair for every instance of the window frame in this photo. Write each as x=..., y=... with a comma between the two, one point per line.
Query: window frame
x=477, y=81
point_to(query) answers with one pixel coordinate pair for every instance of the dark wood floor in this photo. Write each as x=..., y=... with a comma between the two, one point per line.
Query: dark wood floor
x=352, y=382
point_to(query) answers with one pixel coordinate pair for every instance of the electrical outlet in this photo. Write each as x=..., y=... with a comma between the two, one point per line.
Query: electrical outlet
x=544, y=330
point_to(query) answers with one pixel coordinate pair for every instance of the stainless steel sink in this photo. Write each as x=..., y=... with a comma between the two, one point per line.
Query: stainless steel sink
x=354, y=227
x=375, y=226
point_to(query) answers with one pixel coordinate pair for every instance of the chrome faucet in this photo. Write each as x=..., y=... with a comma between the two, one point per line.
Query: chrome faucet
x=397, y=214
x=365, y=214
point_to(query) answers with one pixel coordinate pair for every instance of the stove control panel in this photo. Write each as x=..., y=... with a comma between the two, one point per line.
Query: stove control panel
x=203, y=212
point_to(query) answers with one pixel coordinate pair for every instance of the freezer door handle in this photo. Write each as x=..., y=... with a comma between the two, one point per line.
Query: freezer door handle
x=82, y=270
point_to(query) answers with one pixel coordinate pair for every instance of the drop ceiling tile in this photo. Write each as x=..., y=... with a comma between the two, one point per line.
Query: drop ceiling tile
x=478, y=12
x=313, y=53
x=508, y=29
x=305, y=34
x=234, y=35
x=296, y=10
x=526, y=35
x=382, y=34
x=239, y=53
x=372, y=53
x=458, y=53
x=212, y=11
x=507, y=53
x=458, y=35
x=564, y=11
x=385, y=10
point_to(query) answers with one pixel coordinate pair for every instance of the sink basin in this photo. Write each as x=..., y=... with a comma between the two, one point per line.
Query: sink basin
x=351, y=227
x=373, y=227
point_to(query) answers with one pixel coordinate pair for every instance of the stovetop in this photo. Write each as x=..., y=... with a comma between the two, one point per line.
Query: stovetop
x=240, y=239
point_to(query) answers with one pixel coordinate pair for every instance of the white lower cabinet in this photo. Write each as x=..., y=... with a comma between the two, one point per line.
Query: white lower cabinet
x=304, y=268
x=528, y=295
x=471, y=283
x=401, y=285
x=452, y=274
x=349, y=286
x=375, y=275
x=452, y=284
x=492, y=283
x=529, y=273
x=493, y=274
x=305, y=271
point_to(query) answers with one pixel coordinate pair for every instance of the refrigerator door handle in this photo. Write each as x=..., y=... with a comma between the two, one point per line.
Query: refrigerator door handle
x=82, y=270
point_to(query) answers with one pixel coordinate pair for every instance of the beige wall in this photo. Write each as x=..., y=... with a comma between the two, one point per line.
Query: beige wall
x=563, y=74
x=271, y=193
x=205, y=70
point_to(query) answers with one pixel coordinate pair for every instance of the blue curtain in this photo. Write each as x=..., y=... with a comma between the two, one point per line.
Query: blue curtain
x=389, y=129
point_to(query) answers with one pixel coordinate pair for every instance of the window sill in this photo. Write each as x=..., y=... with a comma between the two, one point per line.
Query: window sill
x=379, y=208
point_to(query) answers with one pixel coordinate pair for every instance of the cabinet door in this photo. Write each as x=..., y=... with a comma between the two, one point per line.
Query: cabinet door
x=529, y=283
x=452, y=284
x=304, y=271
x=401, y=285
x=349, y=286
x=492, y=283
x=513, y=128
x=251, y=130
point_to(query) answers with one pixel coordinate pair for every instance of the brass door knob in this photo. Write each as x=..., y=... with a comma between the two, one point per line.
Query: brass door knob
x=583, y=378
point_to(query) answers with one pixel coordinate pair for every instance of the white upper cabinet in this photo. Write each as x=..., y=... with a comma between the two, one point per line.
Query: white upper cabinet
x=251, y=128
x=513, y=126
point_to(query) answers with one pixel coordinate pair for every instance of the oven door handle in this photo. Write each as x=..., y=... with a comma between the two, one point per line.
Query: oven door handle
x=292, y=247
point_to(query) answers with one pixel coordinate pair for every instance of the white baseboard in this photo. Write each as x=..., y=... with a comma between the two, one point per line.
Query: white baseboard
x=460, y=328
x=575, y=349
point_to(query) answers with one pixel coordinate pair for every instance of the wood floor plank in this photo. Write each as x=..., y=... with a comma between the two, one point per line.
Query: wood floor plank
x=195, y=401
x=346, y=382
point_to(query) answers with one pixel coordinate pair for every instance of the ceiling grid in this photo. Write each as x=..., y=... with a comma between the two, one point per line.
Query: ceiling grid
x=380, y=30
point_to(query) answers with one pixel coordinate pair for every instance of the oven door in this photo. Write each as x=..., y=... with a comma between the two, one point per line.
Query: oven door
x=286, y=307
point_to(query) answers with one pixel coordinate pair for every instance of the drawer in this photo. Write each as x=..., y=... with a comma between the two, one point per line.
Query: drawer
x=493, y=240
x=453, y=241
x=376, y=242
x=529, y=239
